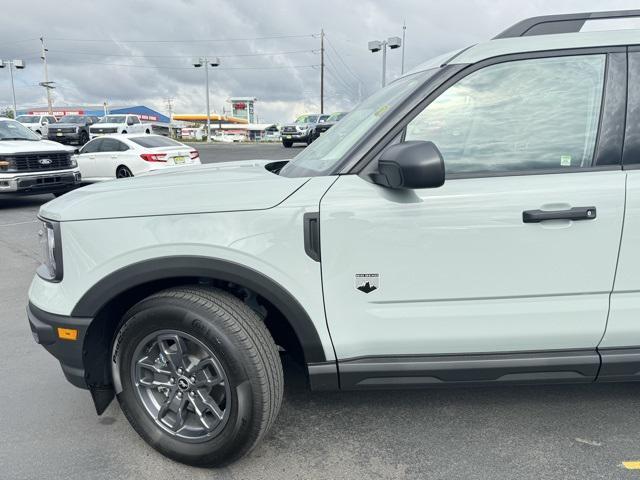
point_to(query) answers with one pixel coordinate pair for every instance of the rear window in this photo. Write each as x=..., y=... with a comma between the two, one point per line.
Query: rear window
x=154, y=141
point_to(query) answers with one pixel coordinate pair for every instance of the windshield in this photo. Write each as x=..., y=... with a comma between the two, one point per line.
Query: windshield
x=72, y=119
x=113, y=119
x=28, y=119
x=307, y=119
x=10, y=130
x=336, y=116
x=324, y=154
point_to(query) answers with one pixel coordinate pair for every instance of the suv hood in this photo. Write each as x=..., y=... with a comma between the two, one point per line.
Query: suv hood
x=67, y=125
x=29, y=146
x=220, y=187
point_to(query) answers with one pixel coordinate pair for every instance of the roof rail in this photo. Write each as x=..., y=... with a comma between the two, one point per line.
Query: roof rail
x=567, y=23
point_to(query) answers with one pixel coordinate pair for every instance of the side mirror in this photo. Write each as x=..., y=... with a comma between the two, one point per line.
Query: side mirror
x=413, y=164
x=44, y=122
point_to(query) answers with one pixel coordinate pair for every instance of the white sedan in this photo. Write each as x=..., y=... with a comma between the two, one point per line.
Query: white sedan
x=121, y=156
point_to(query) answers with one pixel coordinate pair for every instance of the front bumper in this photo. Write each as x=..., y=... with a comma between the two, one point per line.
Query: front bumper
x=295, y=135
x=65, y=137
x=44, y=328
x=40, y=182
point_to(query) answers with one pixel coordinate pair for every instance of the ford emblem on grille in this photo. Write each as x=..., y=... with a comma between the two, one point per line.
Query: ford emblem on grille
x=44, y=161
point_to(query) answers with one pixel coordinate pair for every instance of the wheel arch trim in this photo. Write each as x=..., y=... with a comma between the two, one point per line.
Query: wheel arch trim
x=140, y=273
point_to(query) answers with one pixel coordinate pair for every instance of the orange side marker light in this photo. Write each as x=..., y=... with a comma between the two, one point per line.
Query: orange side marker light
x=67, y=333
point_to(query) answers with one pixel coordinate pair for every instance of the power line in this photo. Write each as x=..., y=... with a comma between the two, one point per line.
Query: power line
x=98, y=40
x=343, y=62
x=169, y=67
x=19, y=41
x=261, y=54
x=349, y=89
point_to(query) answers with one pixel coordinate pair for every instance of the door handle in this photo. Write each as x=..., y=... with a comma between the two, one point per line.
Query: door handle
x=575, y=213
x=114, y=156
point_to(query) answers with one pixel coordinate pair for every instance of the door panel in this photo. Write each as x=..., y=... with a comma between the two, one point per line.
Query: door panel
x=459, y=270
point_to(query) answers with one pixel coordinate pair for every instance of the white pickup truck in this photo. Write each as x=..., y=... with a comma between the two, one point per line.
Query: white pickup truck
x=119, y=124
x=38, y=124
x=30, y=165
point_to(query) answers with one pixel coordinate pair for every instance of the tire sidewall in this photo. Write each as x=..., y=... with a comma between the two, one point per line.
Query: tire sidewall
x=157, y=314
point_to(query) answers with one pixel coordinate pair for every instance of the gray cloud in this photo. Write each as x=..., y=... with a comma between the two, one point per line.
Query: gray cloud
x=91, y=72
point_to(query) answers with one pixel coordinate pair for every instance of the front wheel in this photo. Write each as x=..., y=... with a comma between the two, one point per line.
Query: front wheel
x=287, y=144
x=84, y=138
x=123, y=172
x=200, y=374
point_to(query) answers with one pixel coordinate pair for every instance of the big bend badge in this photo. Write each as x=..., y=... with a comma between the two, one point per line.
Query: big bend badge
x=367, y=282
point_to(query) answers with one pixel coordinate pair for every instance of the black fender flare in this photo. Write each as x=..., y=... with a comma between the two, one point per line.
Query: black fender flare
x=162, y=268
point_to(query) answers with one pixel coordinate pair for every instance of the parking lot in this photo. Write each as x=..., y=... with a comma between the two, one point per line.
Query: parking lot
x=579, y=432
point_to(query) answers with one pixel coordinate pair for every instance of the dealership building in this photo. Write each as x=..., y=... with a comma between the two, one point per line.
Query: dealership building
x=146, y=114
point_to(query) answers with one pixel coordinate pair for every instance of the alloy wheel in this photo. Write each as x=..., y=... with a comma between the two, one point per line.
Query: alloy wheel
x=182, y=385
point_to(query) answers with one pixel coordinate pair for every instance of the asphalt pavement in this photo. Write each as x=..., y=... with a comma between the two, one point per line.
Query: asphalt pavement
x=49, y=429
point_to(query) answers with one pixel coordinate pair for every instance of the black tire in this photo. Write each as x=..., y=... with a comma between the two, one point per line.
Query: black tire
x=123, y=172
x=123, y=132
x=287, y=144
x=84, y=138
x=147, y=131
x=242, y=345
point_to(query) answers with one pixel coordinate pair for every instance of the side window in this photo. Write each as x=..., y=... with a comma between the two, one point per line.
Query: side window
x=135, y=120
x=538, y=114
x=52, y=119
x=93, y=146
x=108, y=145
x=113, y=145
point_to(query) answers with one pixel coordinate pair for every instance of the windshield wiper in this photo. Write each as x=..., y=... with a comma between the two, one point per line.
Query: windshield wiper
x=18, y=138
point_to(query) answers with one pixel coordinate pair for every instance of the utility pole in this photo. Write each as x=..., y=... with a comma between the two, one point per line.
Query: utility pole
x=46, y=84
x=321, y=70
x=404, y=30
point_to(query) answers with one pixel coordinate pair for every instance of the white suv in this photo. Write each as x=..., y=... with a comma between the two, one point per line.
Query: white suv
x=462, y=226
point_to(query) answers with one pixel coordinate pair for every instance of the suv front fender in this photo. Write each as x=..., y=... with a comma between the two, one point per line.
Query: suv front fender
x=157, y=269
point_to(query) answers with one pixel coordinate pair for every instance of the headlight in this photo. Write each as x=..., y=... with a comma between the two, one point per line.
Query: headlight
x=51, y=250
x=7, y=165
x=74, y=161
x=77, y=129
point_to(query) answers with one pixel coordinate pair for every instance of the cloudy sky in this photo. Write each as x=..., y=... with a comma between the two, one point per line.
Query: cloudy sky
x=130, y=52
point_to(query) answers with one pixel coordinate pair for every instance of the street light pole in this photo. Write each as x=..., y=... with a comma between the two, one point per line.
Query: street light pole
x=377, y=45
x=13, y=91
x=18, y=64
x=206, y=75
x=404, y=31
x=384, y=63
x=204, y=61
